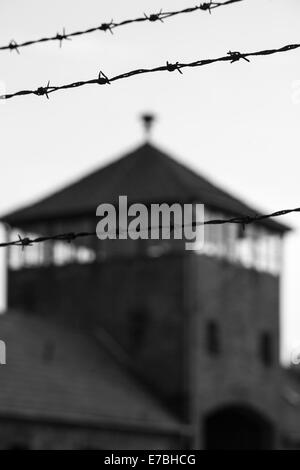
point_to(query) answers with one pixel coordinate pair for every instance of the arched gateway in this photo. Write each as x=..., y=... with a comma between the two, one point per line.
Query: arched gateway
x=237, y=427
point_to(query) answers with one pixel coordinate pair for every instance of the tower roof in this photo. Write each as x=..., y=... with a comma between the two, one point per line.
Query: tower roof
x=146, y=175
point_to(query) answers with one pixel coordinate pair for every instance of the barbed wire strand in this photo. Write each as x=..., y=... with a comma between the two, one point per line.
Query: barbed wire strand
x=71, y=236
x=153, y=17
x=102, y=79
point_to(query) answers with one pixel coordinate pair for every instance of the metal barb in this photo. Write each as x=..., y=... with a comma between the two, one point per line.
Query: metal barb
x=107, y=26
x=206, y=6
x=62, y=37
x=68, y=237
x=172, y=67
x=41, y=91
x=14, y=46
x=154, y=17
x=235, y=56
x=103, y=79
x=23, y=242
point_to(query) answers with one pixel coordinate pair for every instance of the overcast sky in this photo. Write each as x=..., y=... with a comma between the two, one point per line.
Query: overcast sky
x=238, y=124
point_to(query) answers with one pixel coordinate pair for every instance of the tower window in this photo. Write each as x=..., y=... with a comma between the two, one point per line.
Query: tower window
x=213, y=338
x=266, y=349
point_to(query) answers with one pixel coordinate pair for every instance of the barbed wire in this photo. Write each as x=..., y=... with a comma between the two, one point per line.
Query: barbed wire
x=153, y=17
x=71, y=236
x=102, y=79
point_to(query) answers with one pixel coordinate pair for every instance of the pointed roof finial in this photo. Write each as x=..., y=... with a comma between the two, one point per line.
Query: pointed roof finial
x=148, y=120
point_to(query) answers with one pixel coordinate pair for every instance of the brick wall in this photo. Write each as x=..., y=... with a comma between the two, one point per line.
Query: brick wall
x=243, y=303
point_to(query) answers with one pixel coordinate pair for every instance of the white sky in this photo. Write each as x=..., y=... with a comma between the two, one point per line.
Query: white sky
x=238, y=124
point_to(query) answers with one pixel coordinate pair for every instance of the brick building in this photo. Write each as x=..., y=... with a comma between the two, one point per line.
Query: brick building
x=123, y=344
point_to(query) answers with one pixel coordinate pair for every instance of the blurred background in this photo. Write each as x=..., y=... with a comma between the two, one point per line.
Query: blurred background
x=235, y=123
